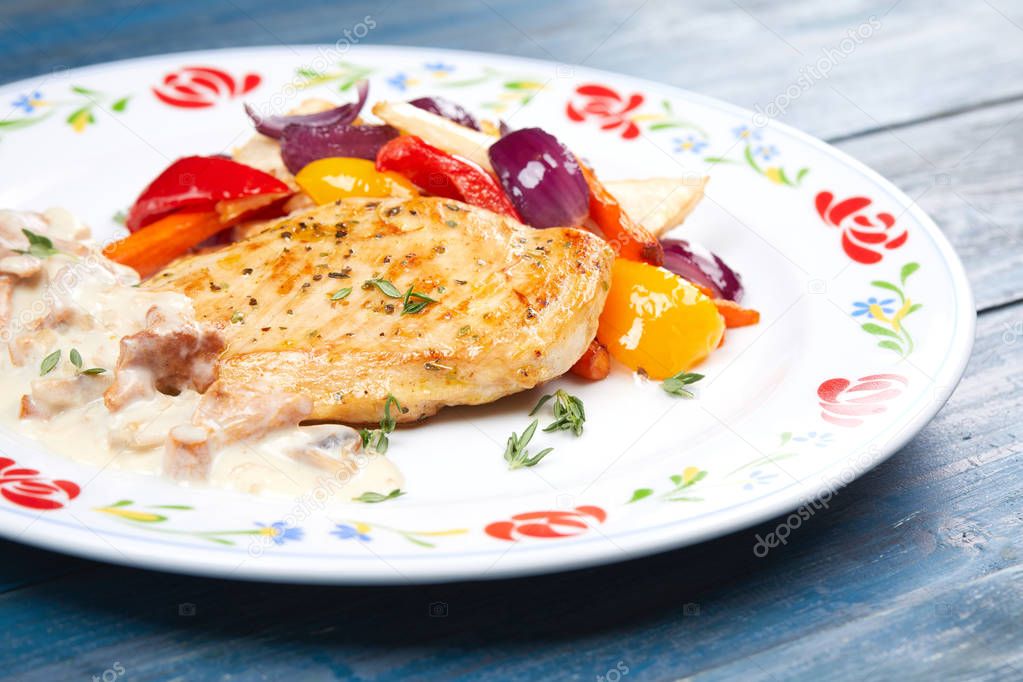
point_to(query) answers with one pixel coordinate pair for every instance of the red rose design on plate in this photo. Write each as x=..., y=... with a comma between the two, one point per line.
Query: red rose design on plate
x=27, y=488
x=864, y=236
x=196, y=87
x=845, y=403
x=606, y=106
x=547, y=524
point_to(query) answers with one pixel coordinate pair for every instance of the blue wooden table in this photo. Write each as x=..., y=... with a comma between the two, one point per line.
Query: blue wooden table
x=915, y=571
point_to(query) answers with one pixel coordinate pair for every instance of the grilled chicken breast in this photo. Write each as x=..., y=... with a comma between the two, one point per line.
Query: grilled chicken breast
x=501, y=307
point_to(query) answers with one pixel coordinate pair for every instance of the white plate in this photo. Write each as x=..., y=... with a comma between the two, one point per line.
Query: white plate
x=790, y=410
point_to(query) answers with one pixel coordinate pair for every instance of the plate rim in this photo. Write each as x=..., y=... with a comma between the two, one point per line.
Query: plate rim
x=285, y=568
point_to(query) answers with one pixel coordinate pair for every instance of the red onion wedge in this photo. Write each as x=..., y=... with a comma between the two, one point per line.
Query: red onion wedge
x=541, y=177
x=301, y=145
x=447, y=109
x=702, y=267
x=273, y=126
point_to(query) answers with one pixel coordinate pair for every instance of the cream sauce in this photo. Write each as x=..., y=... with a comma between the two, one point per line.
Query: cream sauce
x=79, y=299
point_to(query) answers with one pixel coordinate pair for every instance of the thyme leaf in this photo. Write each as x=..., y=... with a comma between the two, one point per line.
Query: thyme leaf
x=374, y=498
x=385, y=286
x=341, y=293
x=38, y=245
x=676, y=385
x=49, y=362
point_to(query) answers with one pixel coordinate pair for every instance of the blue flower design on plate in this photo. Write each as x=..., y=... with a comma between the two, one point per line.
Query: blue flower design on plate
x=746, y=133
x=29, y=102
x=758, y=477
x=766, y=152
x=348, y=532
x=280, y=532
x=439, y=67
x=821, y=440
x=690, y=143
x=861, y=308
x=399, y=81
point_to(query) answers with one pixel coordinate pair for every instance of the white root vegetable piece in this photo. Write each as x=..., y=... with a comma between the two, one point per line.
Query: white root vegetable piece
x=658, y=204
x=438, y=131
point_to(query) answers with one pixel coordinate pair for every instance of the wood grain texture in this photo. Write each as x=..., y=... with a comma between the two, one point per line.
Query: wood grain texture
x=915, y=571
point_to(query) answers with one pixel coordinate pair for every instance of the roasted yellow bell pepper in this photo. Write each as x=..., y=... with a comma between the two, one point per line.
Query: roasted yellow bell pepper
x=656, y=321
x=328, y=180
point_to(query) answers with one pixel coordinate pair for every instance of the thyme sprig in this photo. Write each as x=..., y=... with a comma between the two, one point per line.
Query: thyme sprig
x=516, y=454
x=376, y=439
x=569, y=414
x=51, y=361
x=412, y=307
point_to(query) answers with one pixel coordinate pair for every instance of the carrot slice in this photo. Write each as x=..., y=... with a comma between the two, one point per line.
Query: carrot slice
x=595, y=364
x=735, y=315
x=630, y=239
x=158, y=243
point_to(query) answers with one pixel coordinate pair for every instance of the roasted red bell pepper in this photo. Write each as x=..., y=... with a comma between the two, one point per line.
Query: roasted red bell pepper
x=629, y=239
x=199, y=183
x=441, y=174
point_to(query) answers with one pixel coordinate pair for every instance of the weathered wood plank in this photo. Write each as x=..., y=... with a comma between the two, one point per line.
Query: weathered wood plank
x=918, y=558
x=919, y=57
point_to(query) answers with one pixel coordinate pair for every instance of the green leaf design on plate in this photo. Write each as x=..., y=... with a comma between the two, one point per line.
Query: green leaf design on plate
x=639, y=494
x=890, y=345
x=120, y=105
x=907, y=270
x=81, y=111
x=748, y=154
x=801, y=174
x=913, y=308
x=881, y=284
x=878, y=330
